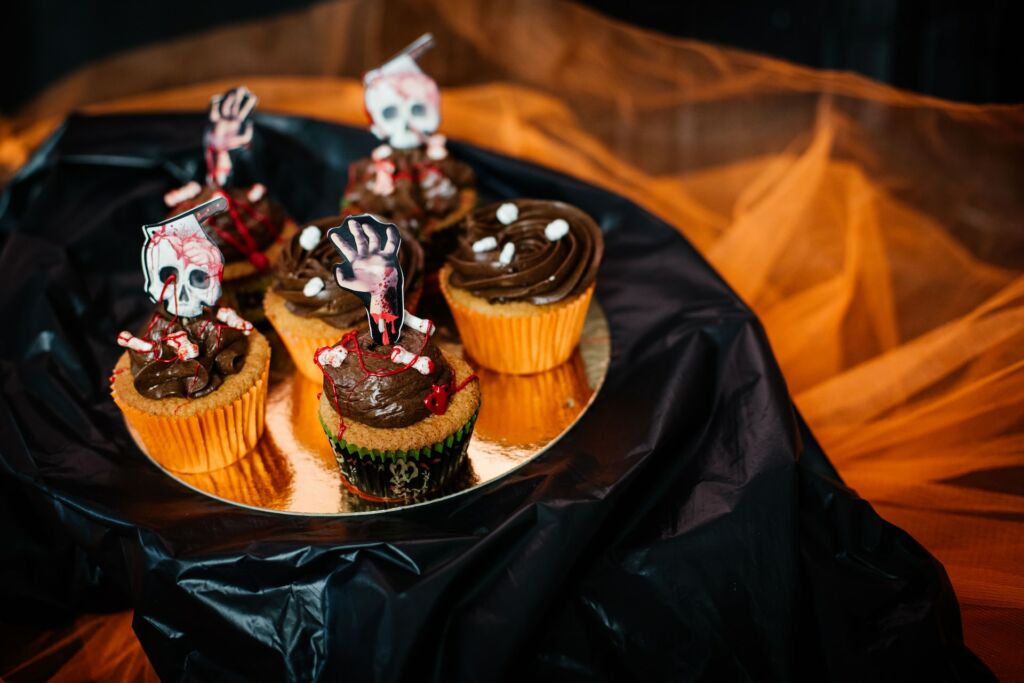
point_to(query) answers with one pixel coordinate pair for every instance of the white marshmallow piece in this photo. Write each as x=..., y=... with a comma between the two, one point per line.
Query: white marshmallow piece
x=485, y=244
x=187, y=191
x=333, y=356
x=422, y=365
x=183, y=347
x=230, y=317
x=129, y=341
x=421, y=325
x=313, y=287
x=556, y=229
x=310, y=237
x=507, y=213
x=256, y=192
x=507, y=253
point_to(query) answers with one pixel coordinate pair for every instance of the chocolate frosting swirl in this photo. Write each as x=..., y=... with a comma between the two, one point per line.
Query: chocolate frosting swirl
x=542, y=271
x=391, y=401
x=222, y=227
x=424, y=188
x=335, y=306
x=222, y=352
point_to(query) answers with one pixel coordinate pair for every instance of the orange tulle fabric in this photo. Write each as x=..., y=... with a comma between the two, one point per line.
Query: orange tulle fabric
x=877, y=233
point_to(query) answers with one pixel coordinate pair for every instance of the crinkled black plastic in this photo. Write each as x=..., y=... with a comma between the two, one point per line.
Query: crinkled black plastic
x=687, y=528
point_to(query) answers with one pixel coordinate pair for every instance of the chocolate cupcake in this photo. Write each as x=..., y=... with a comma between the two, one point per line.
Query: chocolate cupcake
x=304, y=306
x=398, y=411
x=192, y=383
x=520, y=282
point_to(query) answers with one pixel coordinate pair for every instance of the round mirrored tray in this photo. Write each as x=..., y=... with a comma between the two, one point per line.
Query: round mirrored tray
x=293, y=469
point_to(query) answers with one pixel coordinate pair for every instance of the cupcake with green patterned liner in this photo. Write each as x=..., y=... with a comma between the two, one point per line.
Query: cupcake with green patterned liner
x=399, y=412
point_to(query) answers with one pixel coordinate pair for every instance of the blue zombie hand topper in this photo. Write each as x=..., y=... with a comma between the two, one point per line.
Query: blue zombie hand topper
x=372, y=272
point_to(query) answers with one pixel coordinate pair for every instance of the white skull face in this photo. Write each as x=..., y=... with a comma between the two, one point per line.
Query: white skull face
x=183, y=266
x=403, y=106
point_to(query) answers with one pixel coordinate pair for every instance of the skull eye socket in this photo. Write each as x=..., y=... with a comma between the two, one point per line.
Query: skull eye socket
x=389, y=112
x=419, y=109
x=199, y=279
x=167, y=272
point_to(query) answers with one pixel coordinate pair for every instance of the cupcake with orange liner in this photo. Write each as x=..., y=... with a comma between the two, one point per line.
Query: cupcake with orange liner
x=254, y=228
x=305, y=307
x=520, y=282
x=193, y=383
x=411, y=179
x=532, y=409
x=398, y=411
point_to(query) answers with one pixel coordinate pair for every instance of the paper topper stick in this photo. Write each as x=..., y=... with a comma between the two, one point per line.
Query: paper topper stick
x=402, y=101
x=229, y=129
x=183, y=266
x=372, y=272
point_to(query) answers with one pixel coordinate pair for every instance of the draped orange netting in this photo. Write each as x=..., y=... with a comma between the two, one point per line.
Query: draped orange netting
x=878, y=235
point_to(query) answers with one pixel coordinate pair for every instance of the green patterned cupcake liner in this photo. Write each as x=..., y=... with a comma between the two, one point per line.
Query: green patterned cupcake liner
x=397, y=475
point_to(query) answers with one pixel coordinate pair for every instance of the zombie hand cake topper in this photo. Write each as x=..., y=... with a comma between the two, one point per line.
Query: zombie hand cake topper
x=183, y=266
x=372, y=272
x=403, y=102
x=229, y=129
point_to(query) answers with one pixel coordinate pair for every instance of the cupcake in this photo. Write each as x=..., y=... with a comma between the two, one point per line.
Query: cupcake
x=192, y=383
x=411, y=179
x=307, y=309
x=254, y=227
x=520, y=282
x=399, y=412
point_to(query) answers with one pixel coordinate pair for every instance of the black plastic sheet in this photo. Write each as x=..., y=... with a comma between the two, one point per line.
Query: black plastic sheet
x=687, y=528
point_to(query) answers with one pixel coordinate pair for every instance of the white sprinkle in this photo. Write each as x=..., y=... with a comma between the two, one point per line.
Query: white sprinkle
x=486, y=244
x=256, y=192
x=310, y=237
x=507, y=252
x=381, y=152
x=556, y=229
x=421, y=325
x=332, y=355
x=507, y=213
x=313, y=287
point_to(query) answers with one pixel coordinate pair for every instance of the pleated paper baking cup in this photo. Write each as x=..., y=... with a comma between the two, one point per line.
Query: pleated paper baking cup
x=535, y=339
x=191, y=441
x=392, y=476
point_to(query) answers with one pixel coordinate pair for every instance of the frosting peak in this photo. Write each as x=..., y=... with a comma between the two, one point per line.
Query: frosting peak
x=528, y=250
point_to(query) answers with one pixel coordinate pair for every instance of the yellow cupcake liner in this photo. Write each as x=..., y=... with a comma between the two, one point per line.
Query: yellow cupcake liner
x=206, y=441
x=525, y=344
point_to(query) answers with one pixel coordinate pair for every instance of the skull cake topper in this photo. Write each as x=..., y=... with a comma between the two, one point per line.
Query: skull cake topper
x=183, y=266
x=229, y=129
x=402, y=101
x=372, y=272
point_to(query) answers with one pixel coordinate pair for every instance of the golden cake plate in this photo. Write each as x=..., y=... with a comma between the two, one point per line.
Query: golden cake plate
x=293, y=469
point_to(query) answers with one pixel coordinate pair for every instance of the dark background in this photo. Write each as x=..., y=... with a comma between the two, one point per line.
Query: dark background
x=963, y=51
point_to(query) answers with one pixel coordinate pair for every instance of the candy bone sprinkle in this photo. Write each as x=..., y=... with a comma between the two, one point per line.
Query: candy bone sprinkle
x=436, y=148
x=230, y=317
x=256, y=192
x=314, y=286
x=183, y=347
x=507, y=213
x=421, y=325
x=422, y=364
x=381, y=152
x=508, y=252
x=333, y=356
x=556, y=229
x=310, y=237
x=485, y=244
x=129, y=341
x=187, y=191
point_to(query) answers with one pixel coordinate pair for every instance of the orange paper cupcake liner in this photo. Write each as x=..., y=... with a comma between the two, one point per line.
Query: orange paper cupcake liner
x=524, y=344
x=206, y=441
